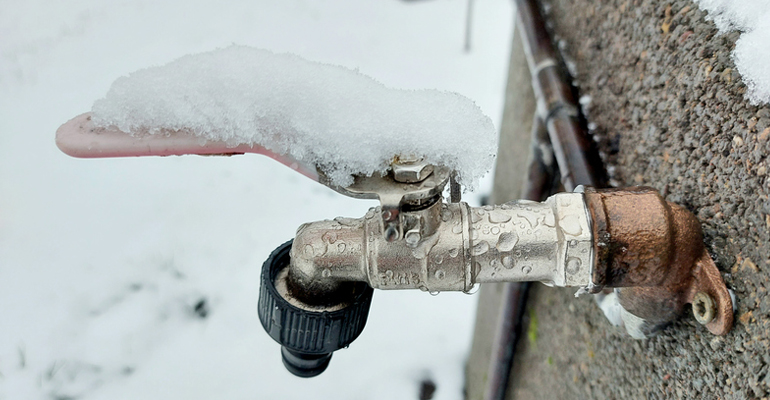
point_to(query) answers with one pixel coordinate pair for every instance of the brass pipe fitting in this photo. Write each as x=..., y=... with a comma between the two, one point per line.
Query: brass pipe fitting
x=653, y=251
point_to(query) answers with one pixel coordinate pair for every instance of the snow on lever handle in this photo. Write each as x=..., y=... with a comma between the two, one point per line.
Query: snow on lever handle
x=246, y=100
x=79, y=137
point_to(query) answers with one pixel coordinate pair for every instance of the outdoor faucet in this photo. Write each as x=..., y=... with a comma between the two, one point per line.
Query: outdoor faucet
x=316, y=290
x=642, y=256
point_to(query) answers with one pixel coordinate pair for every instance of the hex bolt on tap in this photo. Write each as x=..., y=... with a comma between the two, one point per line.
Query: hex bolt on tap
x=316, y=299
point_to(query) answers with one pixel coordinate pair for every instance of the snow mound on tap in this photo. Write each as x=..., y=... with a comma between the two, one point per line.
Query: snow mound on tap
x=328, y=116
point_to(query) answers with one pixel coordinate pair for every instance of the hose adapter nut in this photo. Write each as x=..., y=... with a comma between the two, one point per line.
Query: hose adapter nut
x=308, y=334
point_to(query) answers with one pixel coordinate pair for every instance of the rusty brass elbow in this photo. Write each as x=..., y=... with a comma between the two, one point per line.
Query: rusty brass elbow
x=653, y=251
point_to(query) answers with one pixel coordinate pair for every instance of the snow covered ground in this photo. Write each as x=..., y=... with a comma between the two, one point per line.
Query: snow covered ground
x=103, y=262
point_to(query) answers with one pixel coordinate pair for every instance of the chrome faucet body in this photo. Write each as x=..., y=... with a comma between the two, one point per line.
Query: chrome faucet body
x=450, y=247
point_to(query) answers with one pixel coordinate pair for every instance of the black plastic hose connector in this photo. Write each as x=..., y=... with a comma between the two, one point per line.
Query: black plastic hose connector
x=308, y=338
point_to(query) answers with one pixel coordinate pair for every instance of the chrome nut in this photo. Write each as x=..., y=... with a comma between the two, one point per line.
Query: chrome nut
x=411, y=172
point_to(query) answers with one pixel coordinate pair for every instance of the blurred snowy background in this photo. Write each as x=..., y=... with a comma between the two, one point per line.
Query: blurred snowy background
x=138, y=278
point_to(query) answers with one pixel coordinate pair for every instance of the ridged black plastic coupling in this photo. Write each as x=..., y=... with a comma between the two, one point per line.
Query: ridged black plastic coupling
x=308, y=337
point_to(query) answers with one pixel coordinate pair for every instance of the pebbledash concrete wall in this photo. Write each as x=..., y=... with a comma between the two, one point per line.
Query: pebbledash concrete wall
x=667, y=109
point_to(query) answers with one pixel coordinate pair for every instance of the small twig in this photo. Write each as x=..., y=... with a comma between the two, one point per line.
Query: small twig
x=22, y=357
x=468, y=26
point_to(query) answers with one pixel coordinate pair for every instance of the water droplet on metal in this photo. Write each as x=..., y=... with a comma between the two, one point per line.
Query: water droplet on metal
x=508, y=262
x=434, y=292
x=507, y=241
x=474, y=234
x=440, y=274
x=453, y=252
x=526, y=269
x=326, y=273
x=412, y=238
x=475, y=217
x=422, y=248
x=457, y=229
x=389, y=274
x=438, y=258
x=330, y=237
x=473, y=289
x=573, y=243
x=532, y=218
x=487, y=207
x=446, y=215
x=309, y=251
x=391, y=233
x=570, y=224
x=423, y=288
x=369, y=214
x=480, y=248
x=495, y=263
x=549, y=220
x=573, y=265
x=495, y=230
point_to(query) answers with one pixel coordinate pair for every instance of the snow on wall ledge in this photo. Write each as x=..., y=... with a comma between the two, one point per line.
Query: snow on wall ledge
x=752, y=49
x=337, y=119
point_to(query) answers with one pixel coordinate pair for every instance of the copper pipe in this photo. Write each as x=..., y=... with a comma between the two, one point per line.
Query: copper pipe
x=578, y=159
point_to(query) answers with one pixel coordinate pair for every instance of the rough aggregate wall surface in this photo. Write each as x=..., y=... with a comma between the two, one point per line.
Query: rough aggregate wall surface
x=669, y=112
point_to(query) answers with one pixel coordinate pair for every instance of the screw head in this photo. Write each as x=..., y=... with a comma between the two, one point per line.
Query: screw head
x=411, y=171
x=703, y=308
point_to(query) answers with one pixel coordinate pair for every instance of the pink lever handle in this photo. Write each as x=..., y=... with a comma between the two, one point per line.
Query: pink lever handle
x=79, y=137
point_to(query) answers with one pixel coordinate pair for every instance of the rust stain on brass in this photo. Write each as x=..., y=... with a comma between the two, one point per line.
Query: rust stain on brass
x=654, y=251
